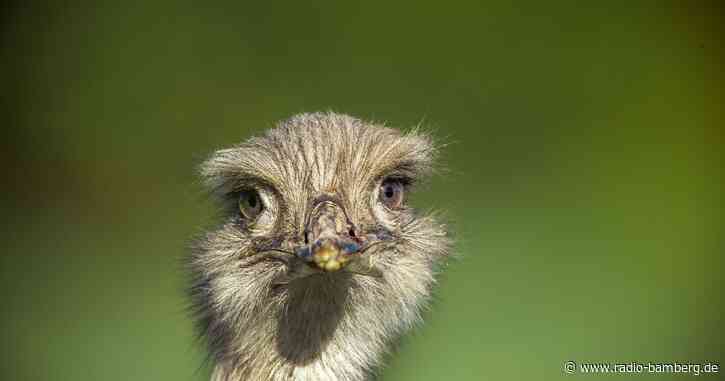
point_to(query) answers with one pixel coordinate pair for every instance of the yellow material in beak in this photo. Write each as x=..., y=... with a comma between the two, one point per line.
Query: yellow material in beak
x=329, y=257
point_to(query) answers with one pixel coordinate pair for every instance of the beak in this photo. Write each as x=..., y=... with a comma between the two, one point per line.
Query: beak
x=332, y=255
x=331, y=238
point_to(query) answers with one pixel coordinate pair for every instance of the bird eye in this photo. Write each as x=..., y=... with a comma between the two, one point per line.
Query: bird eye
x=250, y=204
x=391, y=193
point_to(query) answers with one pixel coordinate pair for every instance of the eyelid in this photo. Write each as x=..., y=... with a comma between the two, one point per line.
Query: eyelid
x=407, y=170
x=405, y=181
x=256, y=183
x=265, y=188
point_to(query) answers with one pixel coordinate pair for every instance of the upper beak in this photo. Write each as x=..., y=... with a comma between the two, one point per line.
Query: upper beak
x=331, y=241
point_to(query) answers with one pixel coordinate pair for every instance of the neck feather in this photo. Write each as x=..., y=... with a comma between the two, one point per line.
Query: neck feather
x=320, y=328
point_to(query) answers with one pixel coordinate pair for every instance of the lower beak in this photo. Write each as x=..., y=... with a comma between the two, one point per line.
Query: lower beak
x=332, y=255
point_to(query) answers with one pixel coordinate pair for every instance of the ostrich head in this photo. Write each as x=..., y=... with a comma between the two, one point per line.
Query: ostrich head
x=319, y=263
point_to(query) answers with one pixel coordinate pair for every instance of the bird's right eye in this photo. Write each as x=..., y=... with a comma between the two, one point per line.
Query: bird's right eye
x=250, y=204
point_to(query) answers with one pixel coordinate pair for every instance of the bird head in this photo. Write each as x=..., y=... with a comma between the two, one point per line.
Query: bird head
x=318, y=247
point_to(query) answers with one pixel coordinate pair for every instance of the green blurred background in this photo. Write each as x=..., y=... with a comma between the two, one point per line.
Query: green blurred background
x=585, y=180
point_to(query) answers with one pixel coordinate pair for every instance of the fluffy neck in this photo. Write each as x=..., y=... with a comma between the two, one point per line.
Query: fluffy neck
x=320, y=328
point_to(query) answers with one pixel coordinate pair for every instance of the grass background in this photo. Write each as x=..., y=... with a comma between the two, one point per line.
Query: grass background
x=585, y=185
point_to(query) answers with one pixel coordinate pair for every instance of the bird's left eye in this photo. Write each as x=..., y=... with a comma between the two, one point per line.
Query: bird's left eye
x=250, y=204
x=391, y=193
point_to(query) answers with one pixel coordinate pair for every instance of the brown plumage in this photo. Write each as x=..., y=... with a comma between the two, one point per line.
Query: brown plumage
x=319, y=263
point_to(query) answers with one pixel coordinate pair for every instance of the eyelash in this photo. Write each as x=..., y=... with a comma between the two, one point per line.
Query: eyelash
x=406, y=181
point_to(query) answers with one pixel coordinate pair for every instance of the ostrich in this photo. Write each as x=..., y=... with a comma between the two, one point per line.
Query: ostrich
x=319, y=263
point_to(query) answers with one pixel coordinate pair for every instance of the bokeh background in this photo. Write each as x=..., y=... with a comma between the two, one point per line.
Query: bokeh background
x=584, y=182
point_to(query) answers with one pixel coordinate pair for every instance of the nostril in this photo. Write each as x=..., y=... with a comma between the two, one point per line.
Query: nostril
x=351, y=232
x=307, y=237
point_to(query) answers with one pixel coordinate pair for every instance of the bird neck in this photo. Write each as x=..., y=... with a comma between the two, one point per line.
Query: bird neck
x=333, y=333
